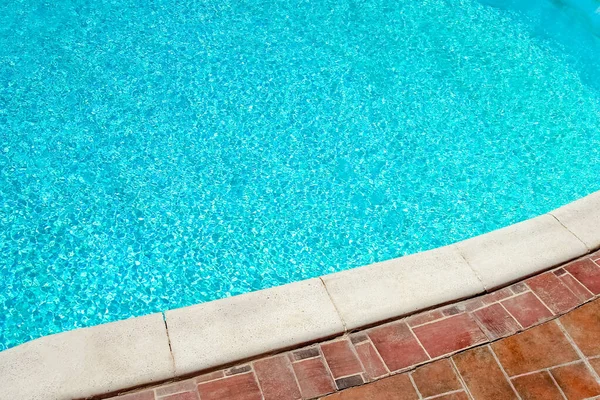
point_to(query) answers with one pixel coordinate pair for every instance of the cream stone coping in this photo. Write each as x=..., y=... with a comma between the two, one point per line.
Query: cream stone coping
x=218, y=332
x=88, y=362
x=520, y=250
x=113, y=357
x=389, y=289
x=582, y=218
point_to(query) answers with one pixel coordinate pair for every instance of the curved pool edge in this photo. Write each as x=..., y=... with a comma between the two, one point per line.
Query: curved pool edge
x=157, y=347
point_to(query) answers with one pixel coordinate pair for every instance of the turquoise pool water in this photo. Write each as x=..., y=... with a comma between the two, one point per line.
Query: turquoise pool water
x=159, y=154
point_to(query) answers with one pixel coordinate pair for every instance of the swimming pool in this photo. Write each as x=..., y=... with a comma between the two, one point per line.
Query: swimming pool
x=160, y=155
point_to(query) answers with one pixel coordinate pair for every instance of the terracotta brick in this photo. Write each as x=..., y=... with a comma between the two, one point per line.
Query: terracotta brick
x=236, y=387
x=302, y=354
x=313, y=378
x=276, y=378
x=497, y=295
x=424, y=318
x=349, y=381
x=482, y=375
x=576, y=381
x=519, y=287
x=210, y=376
x=559, y=272
x=586, y=272
x=397, y=387
x=397, y=346
x=474, y=304
x=577, y=288
x=449, y=335
x=583, y=325
x=527, y=309
x=454, y=396
x=596, y=364
x=182, y=396
x=147, y=395
x=436, y=378
x=239, y=369
x=358, y=338
x=537, y=386
x=496, y=321
x=553, y=292
x=178, y=387
x=452, y=310
x=341, y=359
x=370, y=360
x=538, y=348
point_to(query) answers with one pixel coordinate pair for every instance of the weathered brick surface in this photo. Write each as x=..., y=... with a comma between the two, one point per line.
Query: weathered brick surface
x=454, y=396
x=425, y=317
x=436, y=378
x=145, y=395
x=541, y=347
x=576, y=381
x=236, y=387
x=527, y=309
x=588, y=273
x=582, y=293
x=397, y=387
x=539, y=385
x=482, y=375
x=210, y=376
x=276, y=378
x=460, y=331
x=371, y=361
x=583, y=325
x=496, y=321
x=181, y=396
x=313, y=378
x=178, y=387
x=341, y=359
x=553, y=292
x=397, y=345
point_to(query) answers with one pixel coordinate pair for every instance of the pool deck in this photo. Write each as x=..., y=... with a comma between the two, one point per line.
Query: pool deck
x=536, y=339
x=365, y=313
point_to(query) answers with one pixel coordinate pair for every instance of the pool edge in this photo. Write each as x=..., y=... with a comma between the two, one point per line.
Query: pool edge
x=124, y=354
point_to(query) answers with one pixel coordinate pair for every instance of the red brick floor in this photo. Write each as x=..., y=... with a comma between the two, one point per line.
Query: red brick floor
x=537, y=339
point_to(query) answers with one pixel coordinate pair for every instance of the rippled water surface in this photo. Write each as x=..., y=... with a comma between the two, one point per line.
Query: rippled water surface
x=159, y=154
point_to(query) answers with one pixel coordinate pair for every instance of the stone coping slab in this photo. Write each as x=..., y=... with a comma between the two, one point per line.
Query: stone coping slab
x=401, y=286
x=124, y=354
x=517, y=251
x=89, y=361
x=212, y=334
x=582, y=218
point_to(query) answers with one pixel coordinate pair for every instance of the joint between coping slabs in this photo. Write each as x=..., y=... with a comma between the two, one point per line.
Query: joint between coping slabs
x=485, y=289
x=334, y=305
x=169, y=340
x=571, y=232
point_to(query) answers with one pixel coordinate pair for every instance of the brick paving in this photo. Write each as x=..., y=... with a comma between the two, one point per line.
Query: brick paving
x=537, y=339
